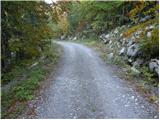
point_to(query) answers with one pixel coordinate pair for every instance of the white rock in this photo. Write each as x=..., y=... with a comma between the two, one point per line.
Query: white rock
x=110, y=42
x=135, y=71
x=115, y=31
x=122, y=51
x=154, y=66
x=110, y=56
x=145, y=18
x=130, y=60
x=74, y=38
x=130, y=43
x=132, y=97
x=107, y=36
x=147, y=28
x=102, y=36
x=126, y=105
x=62, y=37
x=124, y=39
x=123, y=42
x=151, y=27
x=133, y=50
x=149, y=34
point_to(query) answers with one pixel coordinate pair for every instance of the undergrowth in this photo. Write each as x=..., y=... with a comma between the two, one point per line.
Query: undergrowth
x=25, y=89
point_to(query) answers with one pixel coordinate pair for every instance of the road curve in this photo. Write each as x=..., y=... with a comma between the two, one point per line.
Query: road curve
x=84, y=87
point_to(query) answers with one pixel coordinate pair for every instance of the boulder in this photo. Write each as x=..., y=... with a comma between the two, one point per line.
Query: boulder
x=130, y=43
x=107, y=36
x=115, y=31
x=149, y=34
x=106, y=41
x=62, y=37
x=145, y=18
x=75, y=38
x=110, y=42
x=122, y=51
x=110, y=56
x=137, y=34
x=102, y=36
x=123, y=42
x=154, y=66
x=130, y=61
x=133, y=50
x=149, y=27
x=117, y=44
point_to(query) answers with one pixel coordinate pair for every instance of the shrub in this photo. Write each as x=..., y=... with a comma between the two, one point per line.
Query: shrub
x=150, y=47
x=148, y=76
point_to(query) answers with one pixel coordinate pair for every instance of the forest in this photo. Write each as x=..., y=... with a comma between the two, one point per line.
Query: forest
x=125, y=32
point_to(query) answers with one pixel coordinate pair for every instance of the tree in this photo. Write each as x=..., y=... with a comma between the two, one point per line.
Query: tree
x=24, y=28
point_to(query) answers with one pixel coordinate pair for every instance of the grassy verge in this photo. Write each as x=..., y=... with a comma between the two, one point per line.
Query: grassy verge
x=15, y=100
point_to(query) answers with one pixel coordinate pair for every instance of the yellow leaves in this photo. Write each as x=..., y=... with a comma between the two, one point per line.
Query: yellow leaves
x=63, y=23
x=137, y=27
x=137, y=8
x=152, y=10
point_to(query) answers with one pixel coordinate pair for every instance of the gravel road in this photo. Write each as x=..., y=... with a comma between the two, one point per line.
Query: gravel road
x=84, y=87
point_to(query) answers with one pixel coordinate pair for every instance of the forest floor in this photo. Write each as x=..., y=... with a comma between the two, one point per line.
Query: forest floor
x=86, y=87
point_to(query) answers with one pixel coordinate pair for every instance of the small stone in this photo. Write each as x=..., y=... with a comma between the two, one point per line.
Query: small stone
x=110, y=42
x=110, y=56
x=149, y=34
x=155, y=117
x=122, y=51
x=75, y=38
x=107, y=36
x=126, y=105
x=132, y=97
x=116, y=31
x=130, y=60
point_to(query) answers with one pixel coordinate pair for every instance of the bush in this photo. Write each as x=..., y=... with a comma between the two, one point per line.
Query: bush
x=150, y=47
x=148, y=76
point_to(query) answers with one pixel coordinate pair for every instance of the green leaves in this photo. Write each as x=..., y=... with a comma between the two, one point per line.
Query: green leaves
x=150, y=46
x=24, y=91
x=24, y=27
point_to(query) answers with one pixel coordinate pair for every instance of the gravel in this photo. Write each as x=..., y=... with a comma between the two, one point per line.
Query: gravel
x=84, y=87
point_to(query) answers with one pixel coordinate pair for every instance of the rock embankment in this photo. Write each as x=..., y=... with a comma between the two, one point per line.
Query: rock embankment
x=129, y=47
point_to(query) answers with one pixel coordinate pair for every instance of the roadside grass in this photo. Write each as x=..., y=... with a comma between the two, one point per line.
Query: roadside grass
x=15, y=100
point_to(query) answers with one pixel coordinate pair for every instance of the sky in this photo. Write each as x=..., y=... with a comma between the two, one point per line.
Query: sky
x=49, y=1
